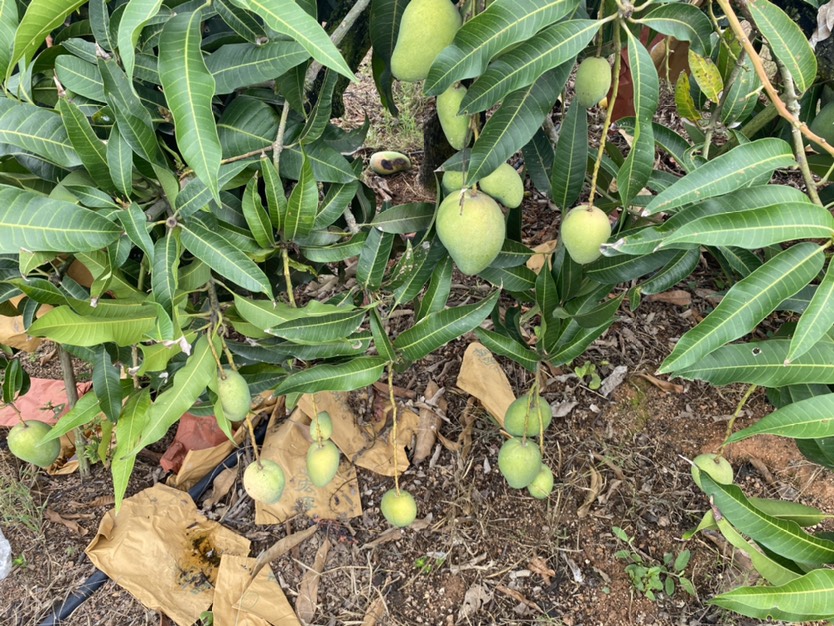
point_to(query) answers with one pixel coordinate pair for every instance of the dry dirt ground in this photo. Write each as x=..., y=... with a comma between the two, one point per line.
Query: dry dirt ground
x=487, y=554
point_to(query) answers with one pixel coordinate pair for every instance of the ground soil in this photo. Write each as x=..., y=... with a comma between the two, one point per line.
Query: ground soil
x=481, y=553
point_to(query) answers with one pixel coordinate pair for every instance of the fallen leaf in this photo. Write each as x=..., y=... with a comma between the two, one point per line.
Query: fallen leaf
x=465, y=437
x=543, y=252
x=515, y=595
x=427, y=425
x=677, y=297
x=476, y=597
x=221, y=486
x=663, y=385
x=100, y=501
x=308, y=590
x=56, y=518
x=374, y=613
x=538, y=565
x=614, y=380
x=280, y=548
x=593, y=493
x=399, y=392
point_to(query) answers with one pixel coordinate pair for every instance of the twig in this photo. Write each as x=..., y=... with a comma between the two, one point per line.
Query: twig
x=278, y=144
x=798, y=147
x=336, y=37
x=781, y=108
x=72, y=399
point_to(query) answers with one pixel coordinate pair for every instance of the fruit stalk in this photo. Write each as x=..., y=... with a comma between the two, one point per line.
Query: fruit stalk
x=393, y=402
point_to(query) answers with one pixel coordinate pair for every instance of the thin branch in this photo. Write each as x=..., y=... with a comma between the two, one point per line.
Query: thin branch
x=278, y=144
x=72, y=399
x=338, y=34
x=781, y=107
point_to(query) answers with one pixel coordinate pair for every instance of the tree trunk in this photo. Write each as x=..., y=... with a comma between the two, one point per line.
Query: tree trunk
x=435, y=150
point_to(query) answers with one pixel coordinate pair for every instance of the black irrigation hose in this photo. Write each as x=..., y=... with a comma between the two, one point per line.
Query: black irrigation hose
x=97, y=580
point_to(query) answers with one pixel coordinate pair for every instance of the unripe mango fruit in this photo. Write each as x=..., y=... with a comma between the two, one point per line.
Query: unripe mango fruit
x=455, y=126
x=584, y=229
x=542, y=485
x=321, y=426
x=399, y=509
x=534, y=411
x=823, y=125
x=505, y=185
x=233, y=392
x=471, y=226
x=264, y=482
x=452, y=181
x=593, y=80
x=519, y=462
x=388, y=162
x=26, y=443
x=322, y=462
x=426, y=27
x=716, y=467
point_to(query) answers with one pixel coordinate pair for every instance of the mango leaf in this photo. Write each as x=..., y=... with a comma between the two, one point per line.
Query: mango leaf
x=135, y=15
x=41, y=17
x=132, y=118
x=63, y=325
x=90, y=149
x=337, y=252
x=571, y=154
x=728, y=172
x=518, y=278
x=196, y=195
x=637, y=168
x=322, y=111
x=223, y=257
x=784, y=537
x=438, y=329
x=242, y=22
x=678, y=268
x=302, y=205
x=812, y=418
x=288, y=18
x=166, y=260
x=328, y=165
x=34, y=222
x=256, y=218
x=84, y=412
x=354, y=374
x=189, y=383
x=385, y=20
x=684, y=102
x=438, y=290
x=374, y=259
x=276, y=201
x=321, y=328
x=189, y=88
x=36, y=130
x=135, y=223
x=515, y=122
x=772, y=571
x=8, y=26
x=80, y=77
x=816, y=320
x=786, y=41
x=425, y=259
x=706, y=75
x=336, y=201
x=405, y=218
x=120, y=162
x=747, y=303
x=265, y=314
x=503, y=24
x=106, y=384
x=618, y=269
x=131, y=423
x=238, y=65
x=757, y=228
x=808, y=598
x=574, y=340
x=538, y=161
x=508, y=347
x=685, y=22
x=524, y=63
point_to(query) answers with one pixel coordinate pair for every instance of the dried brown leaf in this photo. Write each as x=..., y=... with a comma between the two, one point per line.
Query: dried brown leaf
x=515, y=595
x=308, y=590
x=677, y=297
x=280, y=548
x=427, y=426
x=56, y=518
x=593, y=493
x=663, y=385
x=221, y=486
x=374, y=613
x=538, y=565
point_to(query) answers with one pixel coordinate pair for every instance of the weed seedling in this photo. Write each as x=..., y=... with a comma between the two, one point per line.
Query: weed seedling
x=651, y=577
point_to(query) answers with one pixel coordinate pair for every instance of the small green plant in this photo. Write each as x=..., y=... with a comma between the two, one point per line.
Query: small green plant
x=20, y=561
x=648, y=577
x=430, y=562
x=588, y=372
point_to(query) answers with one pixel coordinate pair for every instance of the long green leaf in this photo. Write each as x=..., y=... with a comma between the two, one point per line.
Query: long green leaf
x=523, y=64
x=321, y=328
x=135, y=223
x=135, y=15
x=8, y=26
x=63, y=325
x=678, y=268
x=374, y=259
x=438, y=290
x=438, y=329
x=128, y=430
x=508, y=347
x=276, y=200
x=817, y=319
x=106, y=384
x=255, y=216
x=728, y=172
x=514, y=124
x=80, y=77
x=503, y=24
x=637, y=168
x=34, y=222
x=223, y=257
x=302, y=205
x=405, y=218
x=571, y=154
x=747, y=303
x=244, y=23
x=385, y=19
x=196, y=195
x=41, y=17
x=189, y=383
x=288, y=18
x=787, y=42
x=166, y=260
x=189, y=89
x=120, y=162
x=812, y=418
x=90, y=149
x=773, y=572
x=36, y=130
x=354, y=374
x=336, y=201
x=784, y=537
x=238, y=65
x=84, y=412
x=808, y=598
x=685, y=22
x=757, y=228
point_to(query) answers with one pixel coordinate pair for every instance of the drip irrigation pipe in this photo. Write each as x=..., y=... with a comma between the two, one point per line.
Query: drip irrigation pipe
x=98, y=578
